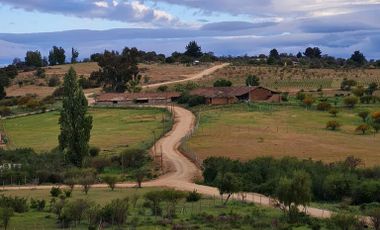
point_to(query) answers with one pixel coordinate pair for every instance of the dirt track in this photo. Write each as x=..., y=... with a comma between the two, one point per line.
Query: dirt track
x=190, y=77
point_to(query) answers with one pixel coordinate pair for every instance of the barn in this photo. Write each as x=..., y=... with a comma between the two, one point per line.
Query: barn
x=136, y=98
x=229, y=95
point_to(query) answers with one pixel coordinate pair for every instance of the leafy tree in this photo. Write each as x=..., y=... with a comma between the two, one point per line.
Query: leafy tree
x=333, y=125
x=338, y=185
x=172, y=197
x=222, y=83
x=110, y=180
x=299, y=55
x=350, y=101
x=33, y=58
x=75, y=123
x=363, y=115
x=358, y=58
x=295, y=191
x=274, y=57
x=86, y=179
x=74, y=55
x=252, y=80
x=76, y=210
x=193, y=50
x=228, y=184
x=117, y=70
x=140, y=174
x=313, y=52
x=57, y=56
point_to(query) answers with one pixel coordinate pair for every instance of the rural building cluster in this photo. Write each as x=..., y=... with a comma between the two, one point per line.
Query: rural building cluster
x=212, y=95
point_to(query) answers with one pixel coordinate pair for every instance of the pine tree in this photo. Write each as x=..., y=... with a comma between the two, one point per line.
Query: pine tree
x=75, y=123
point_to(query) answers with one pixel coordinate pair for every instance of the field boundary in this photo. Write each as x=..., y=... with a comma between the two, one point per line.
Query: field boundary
x=186, y=150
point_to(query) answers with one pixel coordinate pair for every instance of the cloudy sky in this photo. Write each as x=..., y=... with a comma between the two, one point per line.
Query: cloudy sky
x=227, y=27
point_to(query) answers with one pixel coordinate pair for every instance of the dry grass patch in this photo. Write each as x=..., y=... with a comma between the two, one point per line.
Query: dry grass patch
x=240, y=133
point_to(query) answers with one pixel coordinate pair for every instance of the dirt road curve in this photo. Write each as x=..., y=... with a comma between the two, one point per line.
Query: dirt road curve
x=190, y=77
x=182, y=171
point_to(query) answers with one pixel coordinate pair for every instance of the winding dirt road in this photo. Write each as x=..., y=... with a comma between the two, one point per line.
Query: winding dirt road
x=190, y=77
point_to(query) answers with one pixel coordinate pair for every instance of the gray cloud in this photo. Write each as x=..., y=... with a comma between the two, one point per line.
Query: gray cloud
x=125, y=11
x=235, y=25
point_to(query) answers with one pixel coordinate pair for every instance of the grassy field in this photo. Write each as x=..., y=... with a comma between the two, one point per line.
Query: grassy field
x=112, y=129
x=290, y=79
x=246, y=132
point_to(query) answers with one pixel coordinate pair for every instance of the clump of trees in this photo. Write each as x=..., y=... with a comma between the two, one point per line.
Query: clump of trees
x=328, y=182
x=222, y=83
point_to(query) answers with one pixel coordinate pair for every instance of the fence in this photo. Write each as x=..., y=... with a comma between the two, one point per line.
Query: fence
x=186, y=150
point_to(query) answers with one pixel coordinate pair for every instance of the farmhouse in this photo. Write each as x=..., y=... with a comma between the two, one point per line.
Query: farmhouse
x=136, y=98
x=229, y=95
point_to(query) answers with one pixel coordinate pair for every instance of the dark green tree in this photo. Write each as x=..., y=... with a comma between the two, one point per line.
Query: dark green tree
x=193, y=50
x=228, y=184
x=313, y=52
x=75, y=123
x=358, y=58
x=33, y=58
x=74, y=55
x=57, y=56
x=117, y=70
x=252, y=80
x=222, y=83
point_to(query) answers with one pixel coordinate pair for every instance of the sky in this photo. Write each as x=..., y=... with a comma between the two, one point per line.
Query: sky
x=225, y=27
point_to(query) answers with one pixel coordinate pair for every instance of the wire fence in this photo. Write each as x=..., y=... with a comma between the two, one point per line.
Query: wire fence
x=186, y=150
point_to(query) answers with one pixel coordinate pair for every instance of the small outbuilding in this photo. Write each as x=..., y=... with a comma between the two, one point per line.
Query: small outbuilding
x=229, y=95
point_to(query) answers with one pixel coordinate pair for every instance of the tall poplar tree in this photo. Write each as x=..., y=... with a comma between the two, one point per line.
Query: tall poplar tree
x=75, y=123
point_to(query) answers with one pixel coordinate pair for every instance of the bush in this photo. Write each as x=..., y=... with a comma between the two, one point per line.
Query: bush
x=110, y=180
x=222, y=83
x=252, y=80
x=196, y=100
x=343, y=221
x=55, y=191
x=324, y=106
x=39, y=205
x=54, y=81
x=162, y=88
x=94, y=151
x=363, y=128
x=99, y=163
x=40, y=72
x=5, y=111
x=350, y=101
x=18, y=204
x=133, y=158
x=363, y=115
x=333, y=125
x=367, y=192
x=116, y=212
x=193, y=196
x=333, y=112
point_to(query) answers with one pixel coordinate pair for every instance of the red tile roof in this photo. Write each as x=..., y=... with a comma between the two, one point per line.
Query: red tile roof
x=212, y=92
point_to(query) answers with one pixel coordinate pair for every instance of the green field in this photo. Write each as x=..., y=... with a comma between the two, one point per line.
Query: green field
x=246, y=132
x=112, y=129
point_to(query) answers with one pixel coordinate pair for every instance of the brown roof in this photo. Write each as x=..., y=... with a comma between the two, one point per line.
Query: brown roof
x=134, y=96
x=212, y=92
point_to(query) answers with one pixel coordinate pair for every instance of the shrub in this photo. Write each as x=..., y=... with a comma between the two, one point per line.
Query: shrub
x=196, y=100
x=367, y=192
x=99, y=163
x=324, y=106
x=94, y=151
x=162, y=88
x=252, y=80
x=363, y=128
x=111, y=181
x=54, y=81
x=363, y=115
x=55, y=191
x=333, y=125
x=18, y=204
x=193, y=196
x=33, y=104
x=39, y=205
x=5, y=216
x=133, y=158
x=5, y=111
x=58, y=92
x=68, y=193
x=40, y=72
x=334, y=112
x=308, y=101
x=116, y=212
x=222, y=83
x=350, y=101
x=343, y=221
